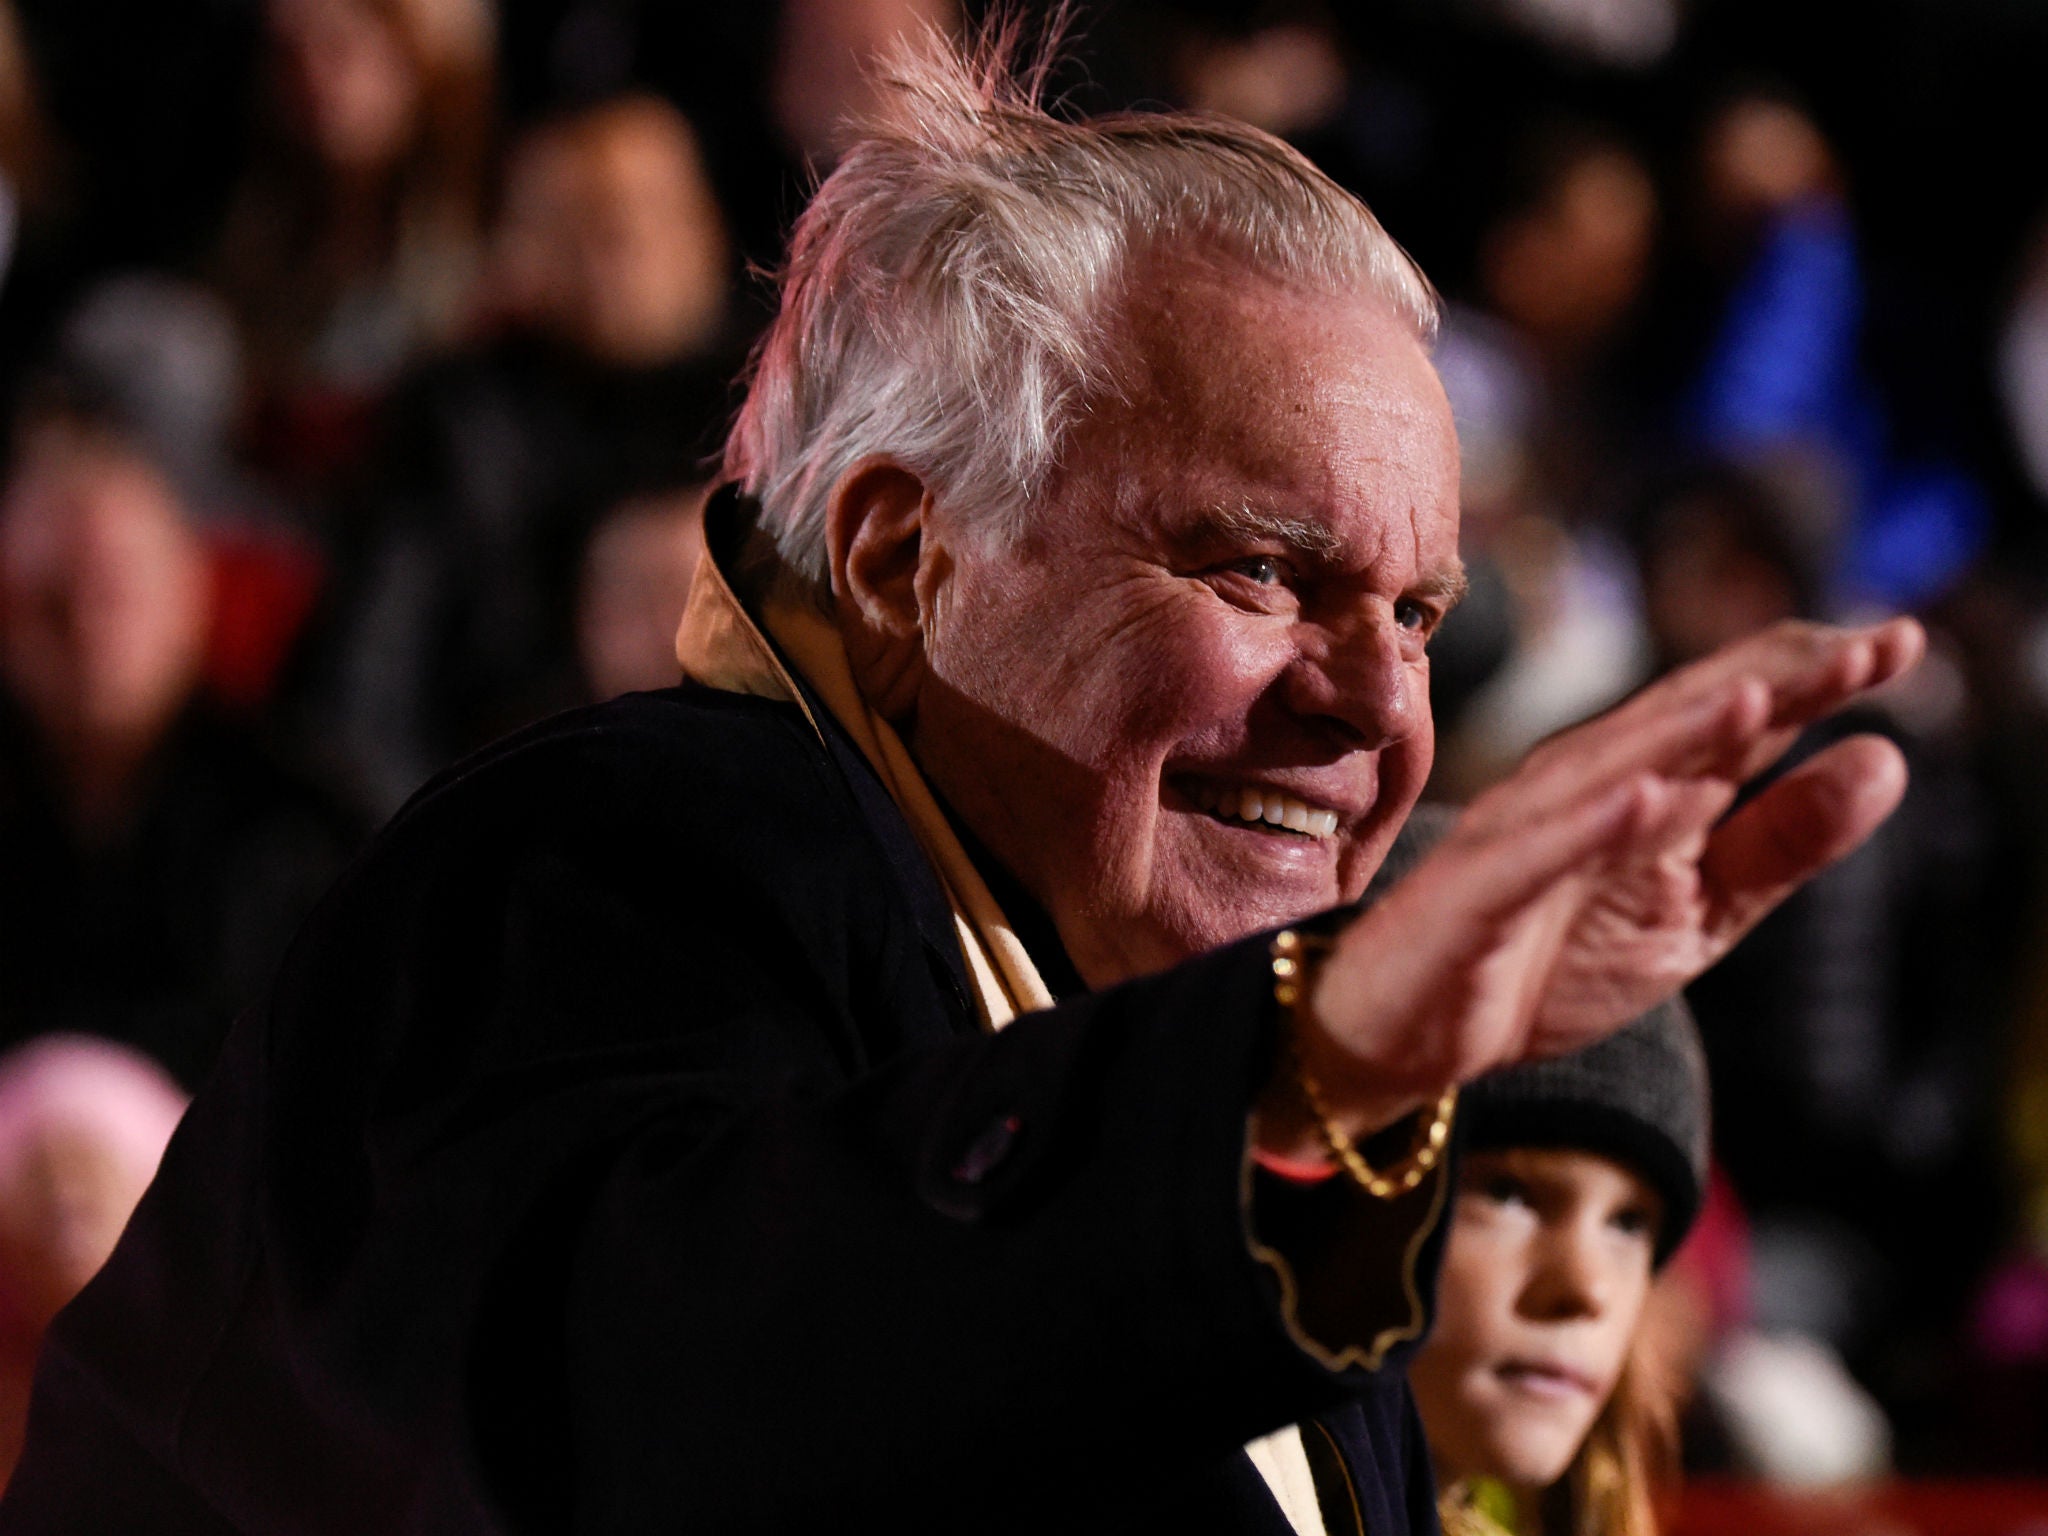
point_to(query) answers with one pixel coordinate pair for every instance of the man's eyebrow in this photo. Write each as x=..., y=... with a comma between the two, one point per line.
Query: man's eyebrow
x=1300, y=533
x=1448, y=585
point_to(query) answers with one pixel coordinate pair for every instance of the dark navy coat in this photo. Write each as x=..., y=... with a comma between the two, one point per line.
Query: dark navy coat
x=618, y=1151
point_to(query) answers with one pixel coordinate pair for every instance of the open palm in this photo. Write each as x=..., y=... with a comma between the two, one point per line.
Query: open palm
x=1607, y=872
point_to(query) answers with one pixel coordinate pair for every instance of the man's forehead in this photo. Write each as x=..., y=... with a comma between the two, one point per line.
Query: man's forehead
x=1256, y=409
x=1254, y=368
x=1176, y=301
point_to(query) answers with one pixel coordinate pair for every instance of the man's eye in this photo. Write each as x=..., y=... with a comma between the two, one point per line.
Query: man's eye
x=1413, y=615
x=1266, y=570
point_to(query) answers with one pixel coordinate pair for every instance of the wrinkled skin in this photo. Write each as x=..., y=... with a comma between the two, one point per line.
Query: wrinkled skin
x=1192, y=655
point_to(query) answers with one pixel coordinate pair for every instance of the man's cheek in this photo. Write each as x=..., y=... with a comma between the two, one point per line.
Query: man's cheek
x=1200, y=682
x=1405, y=766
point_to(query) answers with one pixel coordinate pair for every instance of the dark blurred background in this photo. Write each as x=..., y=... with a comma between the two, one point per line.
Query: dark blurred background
x=365, y=362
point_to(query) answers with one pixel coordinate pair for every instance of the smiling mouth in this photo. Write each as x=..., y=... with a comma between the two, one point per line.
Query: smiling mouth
x=1268, y=810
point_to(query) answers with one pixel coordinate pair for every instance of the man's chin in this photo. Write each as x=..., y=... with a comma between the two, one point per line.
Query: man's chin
x=1209, y=886
x=1245, y=883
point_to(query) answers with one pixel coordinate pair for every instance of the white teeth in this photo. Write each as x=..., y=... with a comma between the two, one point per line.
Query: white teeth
x=1269, y=807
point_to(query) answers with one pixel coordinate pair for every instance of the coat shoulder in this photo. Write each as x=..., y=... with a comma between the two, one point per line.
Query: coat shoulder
x=687, y=756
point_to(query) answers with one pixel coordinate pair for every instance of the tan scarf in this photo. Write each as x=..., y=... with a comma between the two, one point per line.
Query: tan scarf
x=719, y=646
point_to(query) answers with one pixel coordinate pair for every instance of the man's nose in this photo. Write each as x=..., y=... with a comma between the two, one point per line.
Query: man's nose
x=1359, y=678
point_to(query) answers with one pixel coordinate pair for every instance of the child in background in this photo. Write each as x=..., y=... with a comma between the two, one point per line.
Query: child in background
x=1546, y=1404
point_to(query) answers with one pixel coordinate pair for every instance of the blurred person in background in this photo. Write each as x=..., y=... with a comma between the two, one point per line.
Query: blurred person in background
x=1565, y=257
x=1288, y=75
x=83, y=1123
x=1852, y=1034
x=158, y=856
x=728, y=69
x=2022, y=372
x=636, y=578
x=1622, y=34
x=824, y=79
x=1785, y=374
x=610, y=285
x=32, y=203
x=350, y=248
x=768, y=86
x=161, y=355
x=1560, y=265
x=609, y=242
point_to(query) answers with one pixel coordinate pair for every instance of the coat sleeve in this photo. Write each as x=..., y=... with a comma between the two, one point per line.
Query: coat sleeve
x=580, y=1176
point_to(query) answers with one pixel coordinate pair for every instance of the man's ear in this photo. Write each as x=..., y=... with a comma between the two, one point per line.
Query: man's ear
x=876, y=527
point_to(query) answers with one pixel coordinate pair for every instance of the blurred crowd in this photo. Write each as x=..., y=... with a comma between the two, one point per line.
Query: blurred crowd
x=365, y=363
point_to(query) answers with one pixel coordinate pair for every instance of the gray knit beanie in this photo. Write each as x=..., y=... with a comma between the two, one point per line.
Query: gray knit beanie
x=1640, y=1096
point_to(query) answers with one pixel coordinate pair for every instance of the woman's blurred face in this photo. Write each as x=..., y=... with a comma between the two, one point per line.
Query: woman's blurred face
x=103, y=592
x=1543, y=1284
x=1569, y=271
x=346, y=81
x=611, y=238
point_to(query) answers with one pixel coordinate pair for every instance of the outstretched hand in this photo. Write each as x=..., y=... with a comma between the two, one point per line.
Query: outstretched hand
x=1601, y=877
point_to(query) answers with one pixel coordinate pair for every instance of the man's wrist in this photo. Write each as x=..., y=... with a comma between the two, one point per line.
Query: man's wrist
x=1302, y=1122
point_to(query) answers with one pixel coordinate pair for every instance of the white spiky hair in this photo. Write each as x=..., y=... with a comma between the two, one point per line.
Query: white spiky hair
x=950, y=294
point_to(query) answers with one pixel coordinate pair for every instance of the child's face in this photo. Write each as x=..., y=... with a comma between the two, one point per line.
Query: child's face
x=1544, y=1279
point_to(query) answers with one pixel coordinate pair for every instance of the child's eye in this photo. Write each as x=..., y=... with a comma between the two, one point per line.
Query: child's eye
x=1635, y=1220
x=1503, y=1189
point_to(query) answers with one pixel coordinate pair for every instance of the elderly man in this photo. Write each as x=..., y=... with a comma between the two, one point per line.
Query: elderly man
x=860, y=1087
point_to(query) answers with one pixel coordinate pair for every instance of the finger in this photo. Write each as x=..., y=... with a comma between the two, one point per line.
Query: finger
x=1807, y=670
x=1814, y=815
x=1801, y=672
x=1497, y=872
x=1415, y=954
x=1707, y=733
x=1900, y=644
x=1871, y=658
x=1692, y=809
x=1811, y=669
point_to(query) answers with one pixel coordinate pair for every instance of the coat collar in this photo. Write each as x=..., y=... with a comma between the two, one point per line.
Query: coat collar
x=747, y=629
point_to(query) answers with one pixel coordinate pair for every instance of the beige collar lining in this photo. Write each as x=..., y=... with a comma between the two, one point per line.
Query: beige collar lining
x=721, y=646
